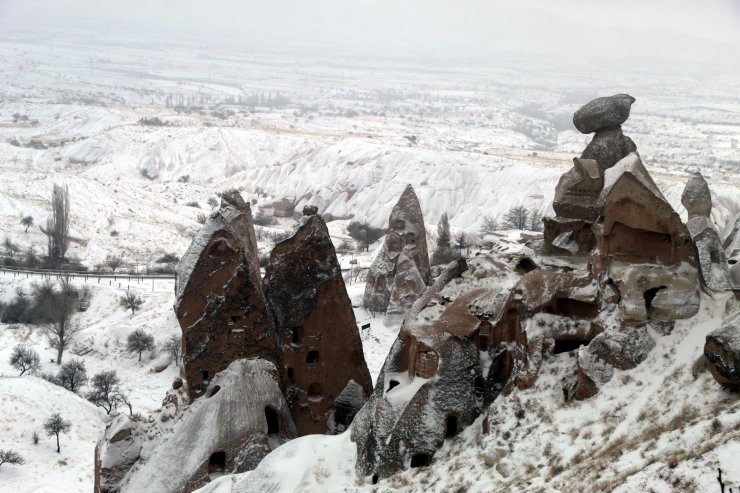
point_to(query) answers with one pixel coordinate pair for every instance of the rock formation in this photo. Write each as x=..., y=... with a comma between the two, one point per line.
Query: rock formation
x=697, y=200
x=722, y=351
x=243, y=417
x=606, y=112
x=406, y=233
x=116, y=452
x=219, y=300
x=320, y=347
x=408, y=285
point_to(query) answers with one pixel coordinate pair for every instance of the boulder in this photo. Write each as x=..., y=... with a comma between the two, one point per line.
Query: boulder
x=406, y=232
x=605, y=112
x=713, y=265
x=219, y=302
x=696, y=197
x=722, y=351
x=320, y=346
x=608, y=147
x=242, y=418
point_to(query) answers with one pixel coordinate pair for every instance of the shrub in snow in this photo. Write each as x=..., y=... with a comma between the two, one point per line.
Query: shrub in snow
x=11, y=457
x=25, y=359
x=173, y=345
x=139, y=341
x=56, y=425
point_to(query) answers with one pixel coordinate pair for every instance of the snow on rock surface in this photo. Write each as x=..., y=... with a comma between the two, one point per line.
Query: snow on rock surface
x=229, y=431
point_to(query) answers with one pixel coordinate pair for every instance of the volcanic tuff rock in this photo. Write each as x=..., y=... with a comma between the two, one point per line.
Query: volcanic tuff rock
x=408, y=285
x=406, y=231
x=608, y=147
x=116, y=452
x=219, y=300
x=578, y=190
x=242, y=419
x=713, y=265
x=722, y=351
x=606, y=112
x=321, y=351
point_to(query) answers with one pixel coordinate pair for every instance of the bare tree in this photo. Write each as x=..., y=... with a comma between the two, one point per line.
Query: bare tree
x=25, y=359
x=489, y=225
x=535, y=221
x=132, y=302
x=62, y=328
x=139, y=341
x=27, y=221
x=105, y=392
x=113, y=261
x=462, y=242
x=56, y=425
x=516, y=218
x=72, y=375
x=11, y=457
x=57, y=226
x=173, y=345
x=123, y=398
x=11, y=247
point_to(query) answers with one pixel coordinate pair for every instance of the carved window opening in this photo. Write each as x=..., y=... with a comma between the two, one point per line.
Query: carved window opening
x=567, y=345
x=273, y=423
x=312, y=357
x=392, y=384
x=479, y=387
x=421, y=460
x=649, y=296
x=204, y=374
x=451, y=426
x=295, y=335
x=290, y=374
x=214, y=391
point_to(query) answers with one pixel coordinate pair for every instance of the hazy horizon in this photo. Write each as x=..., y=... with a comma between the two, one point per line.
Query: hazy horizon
x=673, y=36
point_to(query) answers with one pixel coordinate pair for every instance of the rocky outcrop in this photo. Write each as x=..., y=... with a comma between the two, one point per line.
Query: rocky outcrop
x=240, y=420
x=637, y=222
x=605, y=112
x=608, y=147
x=219, y=301
x=406, y=233
x=697, y=200
x=437, y=377
x=578, y=190
x=116, y=452
x=320, y=347
x=722, y=351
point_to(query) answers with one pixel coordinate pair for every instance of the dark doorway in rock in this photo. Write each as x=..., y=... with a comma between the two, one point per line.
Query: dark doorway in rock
x=375, y=479
x=567, y=345
x=451, y=426
x=290, y=374
x=295, y=335
x=214, y=390
x=312, y=357
x=421, y=460
x=217, y=462
x=480, y=387
x=392, y=384
x=315, y=390
x=649, y=296
x=273, y=424
x=205, y=375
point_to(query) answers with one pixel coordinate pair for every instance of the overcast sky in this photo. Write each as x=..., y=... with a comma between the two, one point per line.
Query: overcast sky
x=688, y=31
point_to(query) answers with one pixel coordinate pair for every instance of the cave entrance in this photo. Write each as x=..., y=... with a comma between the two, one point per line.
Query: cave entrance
x=451, y=426
x=649, y=296
x=312, y=357
x=392, y=384
x=480, y=387
x=213, y=391
x=421, y=460
x=567, y=345
x=217, y=462
x=273, y=424
x=525, y=265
